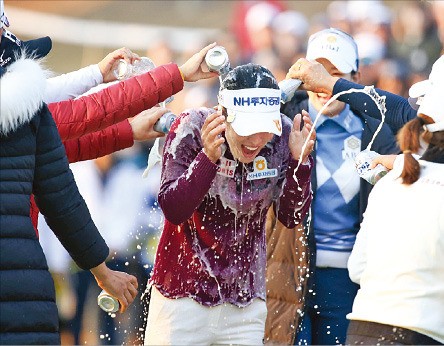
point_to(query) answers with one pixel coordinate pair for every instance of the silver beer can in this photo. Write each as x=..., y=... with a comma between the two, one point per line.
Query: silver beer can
x=107, y=303
x=363, y=161
x=288, y=88
x=164, y=123
x=217, y=60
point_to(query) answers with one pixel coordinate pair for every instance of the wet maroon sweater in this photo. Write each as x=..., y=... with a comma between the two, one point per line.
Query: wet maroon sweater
x=212, y=247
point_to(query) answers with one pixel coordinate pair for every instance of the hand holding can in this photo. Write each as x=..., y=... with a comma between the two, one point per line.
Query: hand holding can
x=164, y=123
x=107, y=302
x=288, y=88
x=363, y=161
x=217, y=60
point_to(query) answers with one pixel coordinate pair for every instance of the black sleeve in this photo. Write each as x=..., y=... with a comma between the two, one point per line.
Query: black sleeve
x=398, y=108
x=59, y=200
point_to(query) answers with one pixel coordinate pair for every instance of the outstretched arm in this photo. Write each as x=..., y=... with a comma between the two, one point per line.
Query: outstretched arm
x=100, y=143
x=398, y=113
x=115, y=137
x=315, y=78
x=96, y=111
x=67, y=214
x=71, y=85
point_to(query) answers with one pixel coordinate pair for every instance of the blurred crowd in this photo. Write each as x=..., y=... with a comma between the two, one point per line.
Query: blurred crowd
x=396, y=49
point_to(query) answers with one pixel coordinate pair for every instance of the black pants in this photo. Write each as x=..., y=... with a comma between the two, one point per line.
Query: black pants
x=371, y=333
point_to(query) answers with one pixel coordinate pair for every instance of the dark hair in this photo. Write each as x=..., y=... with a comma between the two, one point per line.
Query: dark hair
x=249, y=76
x=408, y=139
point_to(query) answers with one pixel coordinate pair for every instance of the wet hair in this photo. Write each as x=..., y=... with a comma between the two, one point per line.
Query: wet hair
x=408, y=139
x=249, y=76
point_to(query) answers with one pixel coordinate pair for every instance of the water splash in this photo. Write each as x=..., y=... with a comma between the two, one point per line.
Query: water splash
x=368, y=90
x=380, y=103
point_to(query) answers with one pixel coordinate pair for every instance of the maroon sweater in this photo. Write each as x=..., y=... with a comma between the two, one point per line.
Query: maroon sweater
x=212, y=248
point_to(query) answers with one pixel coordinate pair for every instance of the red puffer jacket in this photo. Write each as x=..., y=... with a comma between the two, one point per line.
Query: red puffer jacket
x=96, y=125
x=94, y=112
x=97, y=144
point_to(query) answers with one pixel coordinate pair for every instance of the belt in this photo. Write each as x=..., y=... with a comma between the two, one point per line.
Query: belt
x=390, y=333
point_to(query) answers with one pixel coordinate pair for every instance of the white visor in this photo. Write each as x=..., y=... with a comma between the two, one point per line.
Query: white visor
x=254, y=110
x=429, y=94
x=336, y=46
x=417, y=92
x=431, y=105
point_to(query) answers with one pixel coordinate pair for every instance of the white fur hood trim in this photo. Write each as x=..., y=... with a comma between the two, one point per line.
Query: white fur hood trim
x=22, y=90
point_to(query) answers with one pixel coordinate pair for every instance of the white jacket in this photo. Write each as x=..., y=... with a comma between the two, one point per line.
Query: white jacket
x=70, y=85
x=398, y=257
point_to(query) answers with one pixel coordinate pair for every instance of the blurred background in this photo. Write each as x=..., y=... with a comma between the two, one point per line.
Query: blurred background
x=398, y=42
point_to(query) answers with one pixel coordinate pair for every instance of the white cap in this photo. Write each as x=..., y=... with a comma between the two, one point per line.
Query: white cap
x=3, y=19
x=429, y=94
x=336, y=46
x=260, y=16
x=253, y=110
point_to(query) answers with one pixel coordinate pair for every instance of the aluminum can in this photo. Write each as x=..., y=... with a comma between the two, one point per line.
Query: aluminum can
x=124, y=70
x=164, y=123
x=107, y=303
x=217, y=60
x=288, y=88
x=362, y=163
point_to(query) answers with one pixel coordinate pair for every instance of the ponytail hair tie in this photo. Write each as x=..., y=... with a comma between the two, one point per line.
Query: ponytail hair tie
x=407, y=152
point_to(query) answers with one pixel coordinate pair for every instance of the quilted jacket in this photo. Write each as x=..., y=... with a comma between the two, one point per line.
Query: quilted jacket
x=33, y=161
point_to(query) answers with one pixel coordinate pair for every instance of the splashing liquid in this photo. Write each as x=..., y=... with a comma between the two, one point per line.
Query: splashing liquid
x=376, y=98
x=368, y=90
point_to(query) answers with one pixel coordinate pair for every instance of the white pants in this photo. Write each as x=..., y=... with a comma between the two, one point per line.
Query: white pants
x=184, y=321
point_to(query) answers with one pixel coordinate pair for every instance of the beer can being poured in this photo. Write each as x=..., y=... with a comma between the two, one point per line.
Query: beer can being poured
x=363, y=161
x=107, y=303
x=288, y=88
x=217, y=60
